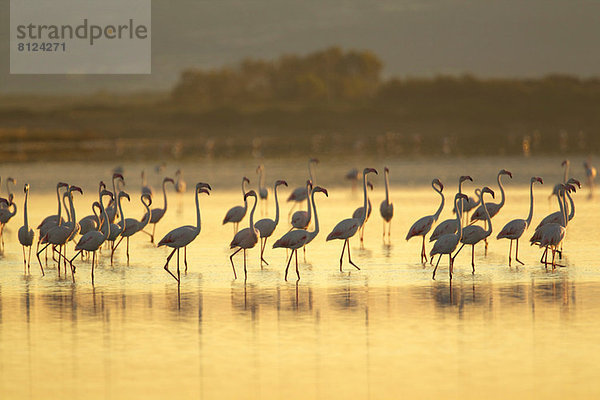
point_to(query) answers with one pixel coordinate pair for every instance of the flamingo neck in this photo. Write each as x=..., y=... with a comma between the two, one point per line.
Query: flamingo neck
x=387, y=190
x=487, y=216
x=197, y=211
x=561, y=204
x=105, y=229
x=59, y=207
x=441, y=207
x=64, y=201
x=501, y=191
x=146, y=218
x=164, y=187
x=244, y=196
x=252, y=214
x=458, y=217
x=311, y=174
x=315, y=232
x=25, y=219
x=276, y=205
x=364, y=216
x=530, y=216
x=572, y=206
x=72, y=216
x=308, y=201
x=121, y=211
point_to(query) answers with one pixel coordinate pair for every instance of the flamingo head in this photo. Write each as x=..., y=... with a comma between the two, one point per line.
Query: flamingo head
x=96, y=205
x=169, y=180
x=250, y=193
x=62, y=184
x=505, y=172
x=26, y=188
x=204, y=190
x=320, y=189
x=386, y=170
x=461, y=196
x=102, y=185
x=369, y=170
x=438, y=183
x=202, y=185
x=370, y=185
x=465, y=178
x=573, y=181
x=488, y=190
x=314, y=161
x=107, y=193
x=570, y=188
x=148, y=199
x=123, y=194
x=11, y=180
x=74, y=188
x=537, y=179
x=260, y=168
x=281, y=182
x=119, y=176
x=245, y=180
x=309, y=184
x=565, y=163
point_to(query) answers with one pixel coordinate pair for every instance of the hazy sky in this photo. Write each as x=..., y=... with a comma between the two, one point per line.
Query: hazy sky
x=412, y=37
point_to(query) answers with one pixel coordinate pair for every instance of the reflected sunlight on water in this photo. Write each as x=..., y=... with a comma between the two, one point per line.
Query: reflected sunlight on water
x=385, y=331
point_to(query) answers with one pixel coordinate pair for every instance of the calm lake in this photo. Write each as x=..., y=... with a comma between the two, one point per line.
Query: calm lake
x=385, y=331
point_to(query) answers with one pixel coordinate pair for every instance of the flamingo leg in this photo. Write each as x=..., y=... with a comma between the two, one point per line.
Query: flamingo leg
x=262, y=250
x=232, y=265
x=473, y=258
x=166, y=267
x=178, y=273
x=456, y=254
x=545, y=253
x=509, y=253
x=342, y=256
x=451, y=265
x=93, y=261
x=517, y=254
x=117, y=245
x=127, y=250
x=245, y=271
x=436, y=266
x=384, y=229
x=112, y=251
x=152, y=236
x=38, y=257
x=297, y=272
x=485, y=240
x=389, y=229
x=423, y=253
x=29, y=260
x=304, y=250
x=288, y=264
x=350, y=259
x=185, y=257
x=74, y=257
x=24, y=261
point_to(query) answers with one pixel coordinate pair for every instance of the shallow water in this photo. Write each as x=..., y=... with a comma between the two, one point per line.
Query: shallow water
x=385, y=331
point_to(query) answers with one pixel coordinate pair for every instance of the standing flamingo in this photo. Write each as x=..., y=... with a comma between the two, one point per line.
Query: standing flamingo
x=386, y=209
x=8, y=192
x=115, y=229
x=51, y=221
x=6, y=215
x=246, y=238
x=111, y=209
x=450, y=225
x=447, y=244
x=92, y=240
x=473, y=234
x=180, y=185
x=347, y=228
x=131, y=226
x=184, y=235
x=237, y=213
x=25, y=232
x=590, y=174
x=300, y=238
x=146, y=189
x=266, y=226
x=517, y=227
x=301, y=219
x=551, y=235
x=423, y=225
x=60, y=234
x=156, y=214
x=299, y=194
x=358, y=213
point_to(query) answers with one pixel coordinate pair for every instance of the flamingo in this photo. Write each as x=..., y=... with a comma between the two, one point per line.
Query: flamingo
x=51, y=221
x=517, y=227
x=184, y=235
x=353, y=176
x=300, y=238
x=246, y=238
x=266, y=226
x=422, y=226
x=447, y=244
x=449, y=225
x=92, y=240
x=347, y=228
x=111, y=209
x=116, y=229
x=8, y=192
x=180, y=185
x=473, y=234
x=558, y=216
x=386, y=209
x=156, y=214
x=237, y=213
x=263, y=193
x=25, y=232
x=60, y=234
x=146, y=189
x=551, y=235
x=358, y=213
x=301, y=219
x=6, y=215
x=590, y=173
x=299, y=194
x=131, y=226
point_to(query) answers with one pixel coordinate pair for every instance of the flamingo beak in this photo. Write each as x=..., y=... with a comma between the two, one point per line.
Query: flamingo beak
x=282, y=183
x=115, y=176
x=203, y=190
x=386, y=169
x=204, y=185
x=540, y=180
x=246, y=180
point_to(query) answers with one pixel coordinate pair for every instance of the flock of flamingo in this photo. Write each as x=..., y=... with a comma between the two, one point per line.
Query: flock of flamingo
x=102, y=229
